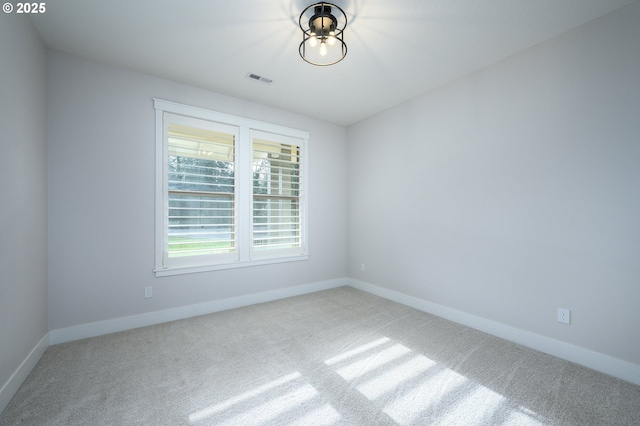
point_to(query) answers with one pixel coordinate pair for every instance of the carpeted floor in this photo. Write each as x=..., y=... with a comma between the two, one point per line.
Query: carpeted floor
x=337, y=357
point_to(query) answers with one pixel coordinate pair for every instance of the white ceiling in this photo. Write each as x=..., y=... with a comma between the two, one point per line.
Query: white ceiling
x=397, y=49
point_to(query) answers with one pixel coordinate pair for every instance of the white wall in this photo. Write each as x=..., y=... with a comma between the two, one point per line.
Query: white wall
x=23, y=198
x=514, y=191
x=101, y=183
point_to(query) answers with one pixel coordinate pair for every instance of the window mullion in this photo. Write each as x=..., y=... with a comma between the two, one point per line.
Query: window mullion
x=244, y=194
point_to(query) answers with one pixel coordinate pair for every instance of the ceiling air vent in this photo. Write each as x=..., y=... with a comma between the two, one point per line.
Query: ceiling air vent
x=260, y=78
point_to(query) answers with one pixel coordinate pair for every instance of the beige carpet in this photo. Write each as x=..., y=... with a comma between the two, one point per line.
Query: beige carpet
x=338, y=357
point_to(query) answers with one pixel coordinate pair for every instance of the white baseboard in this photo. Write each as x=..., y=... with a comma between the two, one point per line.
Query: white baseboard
x=93, y=329
x=597, y=361
x=12, y=385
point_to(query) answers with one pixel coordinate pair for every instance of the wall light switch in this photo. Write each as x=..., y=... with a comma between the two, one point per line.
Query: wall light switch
x=148, y=292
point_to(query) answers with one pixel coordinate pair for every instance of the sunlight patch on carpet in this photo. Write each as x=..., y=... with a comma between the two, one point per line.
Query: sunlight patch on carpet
x=476, y=407
x=273, y=407
x=410, y=388
x=360, y=349
x=225, y=405
x=378, y=359
x=423, y=395
x=287, y=397
x=395, y=377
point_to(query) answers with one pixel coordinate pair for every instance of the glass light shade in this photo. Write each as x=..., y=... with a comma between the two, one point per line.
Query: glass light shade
x=323, y=49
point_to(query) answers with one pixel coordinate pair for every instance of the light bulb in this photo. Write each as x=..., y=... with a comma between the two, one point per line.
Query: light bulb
x=313, y=41
x=331, y=40
x=323, y=49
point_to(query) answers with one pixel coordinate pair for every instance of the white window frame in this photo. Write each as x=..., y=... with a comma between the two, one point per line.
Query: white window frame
x=245, y=255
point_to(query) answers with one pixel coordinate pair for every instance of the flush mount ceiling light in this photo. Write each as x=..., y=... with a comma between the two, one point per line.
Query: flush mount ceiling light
x=323, y=34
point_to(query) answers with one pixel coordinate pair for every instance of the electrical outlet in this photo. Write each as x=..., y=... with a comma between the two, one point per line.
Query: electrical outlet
x=362, y=267
x=564, y=316
x=148, y=292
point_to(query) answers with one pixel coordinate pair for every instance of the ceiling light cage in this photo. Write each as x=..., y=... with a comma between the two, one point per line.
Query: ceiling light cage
x=322, y=26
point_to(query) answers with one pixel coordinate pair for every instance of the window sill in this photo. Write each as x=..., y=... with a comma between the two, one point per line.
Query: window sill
x=206, y=268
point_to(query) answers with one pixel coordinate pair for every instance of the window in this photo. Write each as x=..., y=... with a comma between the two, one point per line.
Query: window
x=231, y=192
x=276, y=193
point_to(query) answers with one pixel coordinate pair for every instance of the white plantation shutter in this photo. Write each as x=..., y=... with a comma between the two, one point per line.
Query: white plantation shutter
x=200, y=189
x=277, y=194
